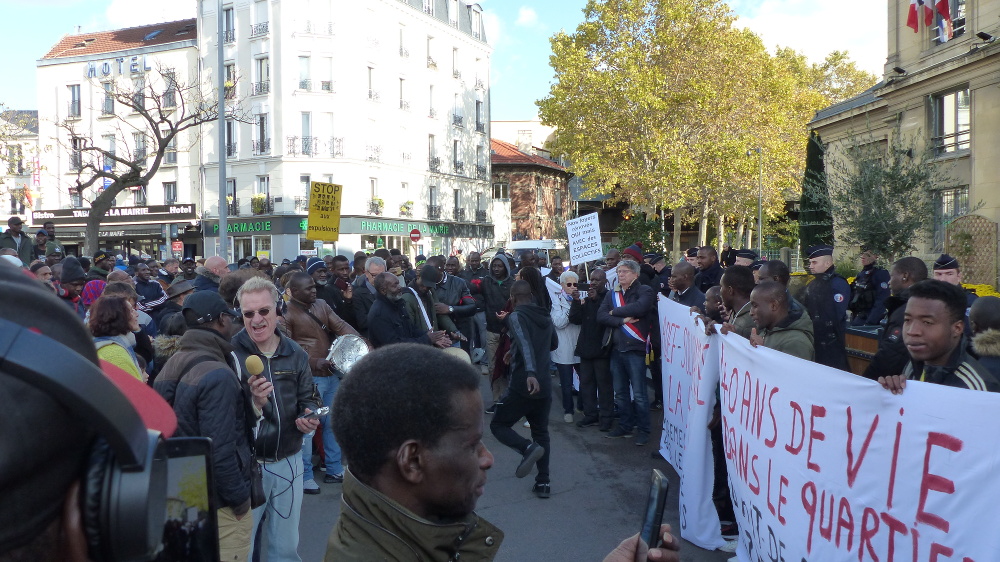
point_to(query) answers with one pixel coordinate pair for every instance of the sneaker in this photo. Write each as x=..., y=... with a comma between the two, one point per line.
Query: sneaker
x=542, y=490
x=478, y=354
x=729, y=548
x=310, y=487
x=568, y=418
x=333, y=479
x=730, y=531
x=527, y=424
x=642, y=439
x=531, y=456
x=618, y=432
x=322, y=468
x=492, y=409
x=587, y=422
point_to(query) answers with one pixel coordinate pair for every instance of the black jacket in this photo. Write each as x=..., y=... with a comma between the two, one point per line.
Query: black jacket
x=705, y=280
x=160, y=315
x=640, y=303
x=532, y=337
x=496, y=293
x=288, y=370
x=388, y=323
x=475, y=287
x=961, y=371
x=891, y=357
x=202, y=383
x=334, y=297
x=204, y=283
x=986, y=345
x=362, y=302
x=151, y=295
x=454, y=291
x=691, y=297
x=590, y=343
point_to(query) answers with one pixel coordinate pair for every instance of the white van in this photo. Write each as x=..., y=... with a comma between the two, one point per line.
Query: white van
x=544, y=248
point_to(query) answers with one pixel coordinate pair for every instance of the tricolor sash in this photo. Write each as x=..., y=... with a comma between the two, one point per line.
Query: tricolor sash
x=618, y=298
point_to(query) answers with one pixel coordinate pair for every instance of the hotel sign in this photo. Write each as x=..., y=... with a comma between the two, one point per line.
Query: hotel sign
x=137, y=64
x=152, y=214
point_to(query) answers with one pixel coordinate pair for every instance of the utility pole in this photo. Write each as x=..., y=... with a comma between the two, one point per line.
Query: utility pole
x=223, y=203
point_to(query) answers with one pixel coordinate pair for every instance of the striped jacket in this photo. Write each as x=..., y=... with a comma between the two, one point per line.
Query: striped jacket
x=961, y=371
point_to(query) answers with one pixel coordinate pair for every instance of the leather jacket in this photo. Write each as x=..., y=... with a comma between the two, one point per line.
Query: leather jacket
x=294, y=391
x=310, y=335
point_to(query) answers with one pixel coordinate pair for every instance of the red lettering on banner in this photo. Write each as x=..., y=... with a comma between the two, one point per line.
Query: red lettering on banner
x=895, y=526
x=940, y=549
x=781, y=498
x=769, y=443
x=895, y=459
x=866, y=535
x=770, y=506
x=677, y=401
x=791, y=447
x=845, y=520
x=732, y=390
x=755, y=486
x=809, y=504
x=745, y=403
x=915, y=534
x=827, y=531
x=816, y=412
x=929, y=482
x=852, y=467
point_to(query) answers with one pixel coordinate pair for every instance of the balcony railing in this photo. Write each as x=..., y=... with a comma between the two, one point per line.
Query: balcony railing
x=326, y=86
x=433, y=211
x=373, y=153
x=336, y=147
x=305, y=84
x=231, y=150
x=375, y=206
x=259, y=29
x=432, y=113
x=108, y=162
x=459, y=214
x=261, y=88
x=262, y=205
x=301, y=204
x=404, y=105
x=140, y=154
x=74, y=109
x=108, y=108
x=457, y=120
x=481, y=215
x=404, y=52
x=233, y=207
x=230, y=92
x=262, y=147
x=456, y=73
x=482, y=172
x=305, y=146
x=459, y=167
x=373, y=95
x=434, y=164
x=480, y=127
x=479, y=84
x=229, y=36
x=431, y=63
x=318, y=28
x=951, y=143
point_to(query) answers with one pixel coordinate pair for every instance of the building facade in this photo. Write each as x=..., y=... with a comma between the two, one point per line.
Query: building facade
x=19, y=166
x=77, y=81
x=537, y=189
x=940, y=87
x=387, y=98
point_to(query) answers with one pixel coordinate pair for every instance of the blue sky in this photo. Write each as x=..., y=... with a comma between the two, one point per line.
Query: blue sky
x=519, y=32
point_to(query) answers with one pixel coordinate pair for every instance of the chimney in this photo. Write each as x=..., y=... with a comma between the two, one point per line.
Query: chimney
x=524, y=141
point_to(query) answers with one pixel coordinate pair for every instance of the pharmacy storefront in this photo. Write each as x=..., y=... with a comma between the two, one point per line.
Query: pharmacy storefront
x=273, y=237
x=368, y=234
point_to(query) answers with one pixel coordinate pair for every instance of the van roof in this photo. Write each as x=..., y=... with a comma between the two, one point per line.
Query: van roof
x=531, y=244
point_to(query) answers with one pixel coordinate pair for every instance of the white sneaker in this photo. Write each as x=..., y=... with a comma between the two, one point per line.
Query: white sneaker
x=568, y=418
x=526, y=424
x=310, y=487
x=729, y=547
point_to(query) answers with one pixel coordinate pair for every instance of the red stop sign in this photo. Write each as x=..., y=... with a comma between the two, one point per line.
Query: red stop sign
x=415, y=235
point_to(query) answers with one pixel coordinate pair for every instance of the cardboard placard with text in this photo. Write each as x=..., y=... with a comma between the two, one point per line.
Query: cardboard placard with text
x=324, y=211
x=584, y=237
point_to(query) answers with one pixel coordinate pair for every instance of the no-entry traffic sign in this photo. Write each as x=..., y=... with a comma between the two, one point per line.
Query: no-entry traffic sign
x=415, y=235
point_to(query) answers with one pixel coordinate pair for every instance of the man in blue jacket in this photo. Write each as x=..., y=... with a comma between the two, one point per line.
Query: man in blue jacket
x=627, y=309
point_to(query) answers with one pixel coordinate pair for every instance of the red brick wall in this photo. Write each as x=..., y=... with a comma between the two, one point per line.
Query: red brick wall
x=525, y=215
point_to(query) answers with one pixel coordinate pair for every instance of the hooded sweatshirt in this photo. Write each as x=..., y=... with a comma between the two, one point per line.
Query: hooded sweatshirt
x=532, y=338
x=987, y=346
x=496, y=292
x=792, y=335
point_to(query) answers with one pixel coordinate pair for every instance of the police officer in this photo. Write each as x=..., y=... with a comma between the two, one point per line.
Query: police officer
x=946, y=269
x=826, y=299
x=869, y=291
x=746, y=257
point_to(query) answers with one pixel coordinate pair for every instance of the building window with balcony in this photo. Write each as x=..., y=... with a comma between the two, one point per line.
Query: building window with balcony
x=108, y=106
x=75, y=199
x=110, y=144
x=950, y=116
x=74, y=101
x=308, y=142
x=228, y=26
x=230, y=91
x=457, y=117
x=263, y=143
x=170, y=151
x=170, y=92
x=138, y=95
x=169, y=192
x=433, y=162
x=431, y=63
x=17, y=201
x=139, y=196
x=459, y=209
x=946, y=29
x=501, y=190
x=457, y=163
x=477, y=23
x=949, y=204
x=15, y=160
x=139, y=141
x=433, y=208
x=306, y=182
x=305, y=81
x=480, y=118
x=403, y=51
x=262, y=69
x=231, y=149
x=77, y=145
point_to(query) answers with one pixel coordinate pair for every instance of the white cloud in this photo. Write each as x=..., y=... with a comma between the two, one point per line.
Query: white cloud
x=526, y=17
x=817, y=28
x=123, y=13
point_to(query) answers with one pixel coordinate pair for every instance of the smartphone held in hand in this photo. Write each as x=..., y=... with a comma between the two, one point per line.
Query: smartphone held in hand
x=649, y=534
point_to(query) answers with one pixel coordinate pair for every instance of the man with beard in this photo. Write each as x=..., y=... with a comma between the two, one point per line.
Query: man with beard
x=151, y=294
x=596, y=386
x=709, y=270
x=474, y=274
x=388, y=321
x=188, y=269
x=41, y=239
x=103, y=263
x=311, y=322
x=211, y=274
x=453, y=296
x=329, y=291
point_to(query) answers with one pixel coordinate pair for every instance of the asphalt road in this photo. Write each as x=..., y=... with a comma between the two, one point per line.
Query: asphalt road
x=599, y=489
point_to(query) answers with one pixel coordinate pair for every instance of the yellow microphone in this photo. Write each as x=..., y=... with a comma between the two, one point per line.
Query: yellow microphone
x=254, y=365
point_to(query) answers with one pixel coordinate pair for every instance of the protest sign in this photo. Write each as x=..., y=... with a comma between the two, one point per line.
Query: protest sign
x=584, y=237
x=324, y=211
x=690, y=361
x=826, y=465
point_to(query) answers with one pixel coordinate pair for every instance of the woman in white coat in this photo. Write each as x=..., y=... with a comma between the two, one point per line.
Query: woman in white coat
x=564, y=356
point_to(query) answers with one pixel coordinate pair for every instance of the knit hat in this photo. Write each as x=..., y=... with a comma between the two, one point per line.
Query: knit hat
x=945, y=262
x=314, y=264
x=92, y=291
x=71, y=270
x=634, y=251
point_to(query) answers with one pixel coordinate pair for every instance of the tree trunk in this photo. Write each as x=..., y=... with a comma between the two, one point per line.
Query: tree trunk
x=675, y=253
x=703, y=224
x=720, y=232
x=740, y=229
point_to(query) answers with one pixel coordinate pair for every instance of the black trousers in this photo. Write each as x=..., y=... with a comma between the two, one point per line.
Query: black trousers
x=597, y=392
x=511, y=408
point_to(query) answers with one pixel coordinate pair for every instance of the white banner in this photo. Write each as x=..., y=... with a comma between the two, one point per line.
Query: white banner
x=584, y=237
x=825, y=465
x=690, y=361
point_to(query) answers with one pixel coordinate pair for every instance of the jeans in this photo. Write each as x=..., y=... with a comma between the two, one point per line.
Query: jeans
x=510, y=410
x=327, y=387
x=283, y=490
x=477, y=337
x=628, y=368
x=499, y=386
x=597, y=390
x=566, y=384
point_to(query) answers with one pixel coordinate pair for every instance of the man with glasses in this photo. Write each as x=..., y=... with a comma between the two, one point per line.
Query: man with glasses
x=365, y=293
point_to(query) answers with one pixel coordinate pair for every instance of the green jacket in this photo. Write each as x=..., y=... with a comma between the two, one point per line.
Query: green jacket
x=438, y=321
x=24, y=251
x=793, y=335
x=373, y=527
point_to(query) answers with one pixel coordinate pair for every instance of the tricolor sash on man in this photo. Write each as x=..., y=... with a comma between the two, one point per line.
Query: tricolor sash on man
x=630, y=329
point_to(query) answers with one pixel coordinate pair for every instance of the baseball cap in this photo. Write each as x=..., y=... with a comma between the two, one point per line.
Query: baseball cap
x=207, y=306
x=43, y=232
x=51, y=248
x=14, y=220
x=188, y=259
x=428, y=275
x=101, y=255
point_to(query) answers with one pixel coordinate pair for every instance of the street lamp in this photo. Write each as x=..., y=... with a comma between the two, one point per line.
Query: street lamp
x=760, y=196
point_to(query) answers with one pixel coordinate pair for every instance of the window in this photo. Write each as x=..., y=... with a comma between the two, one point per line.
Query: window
x=230, y=81
x=139, y=140
x=431, y=150
x=263, y=185
x=138, y=94
x=454, y=64
x=403, y=51
x=307, y=140
x=501, y=190
x=304, y=82
x=325, y=74
x=945, y=30
x=453, y=12
x=110, y=145
x=17, y=201
x=75, y=199
x=15, y=160
x=230, y=187
x=372, y=94
x=456, y=149
x=403, y=104
x=263, y=72
x=430, y=101
x=228, y=26
x=304, y=180
x=170, y=92
x=432, y=195
x=429, y=7
x=263, y=143
x=950, y=121
x=74, y=100
x=139, y=196
x=170, y=152
x=539, y=199
x=76, y=157
x=373, y=187
x=169, y=192
x=558, y=201
x=431, y=63
x=108, y=108
x=949, y=204
x=477, y=23
x=231, y=138
x=480, y=118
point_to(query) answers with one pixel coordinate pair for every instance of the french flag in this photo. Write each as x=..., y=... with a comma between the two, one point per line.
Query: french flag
x=947, y=31
x=928, y=11
x=912, y=20
x=913, y=16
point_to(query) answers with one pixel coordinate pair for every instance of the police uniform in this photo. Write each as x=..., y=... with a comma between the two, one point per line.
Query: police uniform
x=945, y=261
x=868, y=296
x=826, y=299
